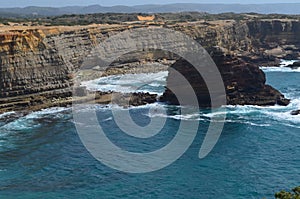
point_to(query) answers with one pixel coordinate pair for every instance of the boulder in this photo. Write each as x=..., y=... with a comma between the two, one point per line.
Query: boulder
x=295, y=65
x=296, y=112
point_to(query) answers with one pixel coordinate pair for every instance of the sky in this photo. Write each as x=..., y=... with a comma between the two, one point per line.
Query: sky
x=60, y=3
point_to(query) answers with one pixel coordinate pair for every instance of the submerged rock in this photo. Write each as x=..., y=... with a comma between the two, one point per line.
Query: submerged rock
x=12, y=116
x=295, y=65
x=296, y=112
x=294, y=194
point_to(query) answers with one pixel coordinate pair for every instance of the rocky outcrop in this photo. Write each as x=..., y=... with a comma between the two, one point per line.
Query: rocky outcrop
x=38, y=63
x=65, y=97
x=296, y=112
x=293, y=194
x=245, y=84
x=295, y=65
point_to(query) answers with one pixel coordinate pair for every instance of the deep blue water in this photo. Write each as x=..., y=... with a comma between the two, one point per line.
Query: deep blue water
x=41, y=155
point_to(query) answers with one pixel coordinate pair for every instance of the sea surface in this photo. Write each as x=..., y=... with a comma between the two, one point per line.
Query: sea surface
x=41, y=155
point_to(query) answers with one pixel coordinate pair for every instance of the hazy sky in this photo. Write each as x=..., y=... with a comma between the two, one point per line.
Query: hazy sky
x=59, y=3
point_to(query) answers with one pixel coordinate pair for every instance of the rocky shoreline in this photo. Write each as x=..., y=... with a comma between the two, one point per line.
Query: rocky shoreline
x=38, y=64
x=66, y=98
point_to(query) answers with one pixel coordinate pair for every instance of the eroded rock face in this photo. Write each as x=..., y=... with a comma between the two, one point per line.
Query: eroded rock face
x=31, y=62
x=38, y=64
x=273, y=40
x=244, y=83
x=38, y=60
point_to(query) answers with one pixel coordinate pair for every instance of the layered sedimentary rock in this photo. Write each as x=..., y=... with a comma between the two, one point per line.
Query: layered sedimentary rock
x=41, y=61
x=273, y=40
x=262, y=42
x=38, y=60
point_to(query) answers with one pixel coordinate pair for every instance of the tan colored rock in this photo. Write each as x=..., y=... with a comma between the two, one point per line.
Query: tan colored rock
x=38, y=60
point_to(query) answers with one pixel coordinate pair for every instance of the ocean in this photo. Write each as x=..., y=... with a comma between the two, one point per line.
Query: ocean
x=42, y=156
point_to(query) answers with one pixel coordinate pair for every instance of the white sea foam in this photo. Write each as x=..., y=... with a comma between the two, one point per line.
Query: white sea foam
x=264, y=115
x=283, y=67
x=247, y=114
x=295, y=103
x=129, y=83
x=49, y=111
x=255, y=124
x=247, y=122
x=107, y=119
x=26, y=122
x=247, y=109
x=186, y=117
x=284, y=117
x=287, y=62
x=282, y=114
x=6, y=114
x=280, y=69
x=20, y=124
x=214, y=114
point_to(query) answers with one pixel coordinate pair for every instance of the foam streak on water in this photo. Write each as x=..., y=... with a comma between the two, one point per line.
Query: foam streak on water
x=129, y=83
x=6, y=114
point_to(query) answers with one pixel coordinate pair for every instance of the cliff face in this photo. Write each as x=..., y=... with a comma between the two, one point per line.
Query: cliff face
x=273, y=39
x=33, y=61
x=257, y=41
x=28, y=66
x=43, y=59
x=231, y=35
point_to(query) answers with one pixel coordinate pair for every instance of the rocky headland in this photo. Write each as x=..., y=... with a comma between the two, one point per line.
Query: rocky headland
x=38, y=63
x=245, y=83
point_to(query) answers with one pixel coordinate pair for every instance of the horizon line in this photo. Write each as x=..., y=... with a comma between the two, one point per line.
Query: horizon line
x=149, y=5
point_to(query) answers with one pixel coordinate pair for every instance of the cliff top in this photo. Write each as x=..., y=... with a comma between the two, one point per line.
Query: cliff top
x=19, y=29
x=119, y=18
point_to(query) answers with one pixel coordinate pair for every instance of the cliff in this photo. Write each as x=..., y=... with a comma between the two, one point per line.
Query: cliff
x=275, y=39
x=262, y=42
x=36, y=61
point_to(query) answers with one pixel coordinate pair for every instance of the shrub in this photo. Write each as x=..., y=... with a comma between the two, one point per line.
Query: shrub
x=295, y=194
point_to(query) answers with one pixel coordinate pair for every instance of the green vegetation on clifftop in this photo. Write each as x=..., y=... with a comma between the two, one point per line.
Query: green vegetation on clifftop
x=117, y=18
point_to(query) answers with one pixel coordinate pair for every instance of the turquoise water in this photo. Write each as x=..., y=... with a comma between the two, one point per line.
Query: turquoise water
x=41, y=155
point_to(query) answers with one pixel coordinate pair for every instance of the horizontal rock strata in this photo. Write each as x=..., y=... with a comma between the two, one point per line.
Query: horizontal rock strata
x=66, y=97
x=42, y=61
